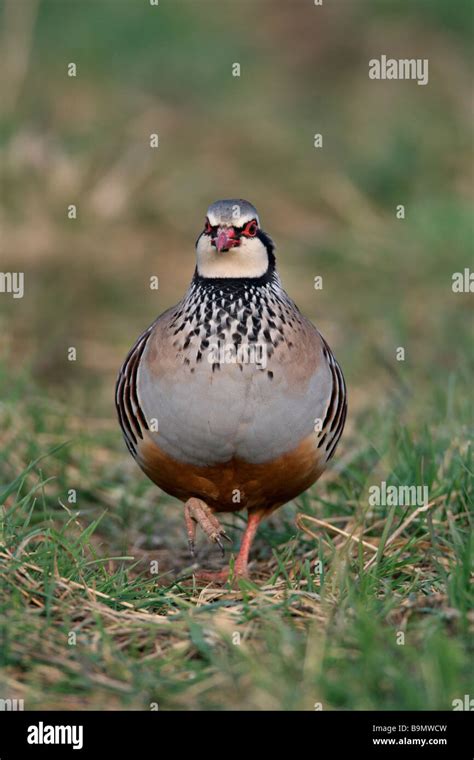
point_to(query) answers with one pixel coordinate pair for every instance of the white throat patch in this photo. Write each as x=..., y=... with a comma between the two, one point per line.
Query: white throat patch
x=249, y=259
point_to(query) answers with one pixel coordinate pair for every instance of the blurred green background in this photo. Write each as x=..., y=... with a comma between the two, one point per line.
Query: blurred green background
x=331, y=212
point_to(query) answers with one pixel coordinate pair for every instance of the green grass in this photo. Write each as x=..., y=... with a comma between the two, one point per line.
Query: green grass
x=289, y=639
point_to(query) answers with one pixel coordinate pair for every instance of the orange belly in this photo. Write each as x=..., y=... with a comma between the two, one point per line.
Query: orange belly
x=236, y=484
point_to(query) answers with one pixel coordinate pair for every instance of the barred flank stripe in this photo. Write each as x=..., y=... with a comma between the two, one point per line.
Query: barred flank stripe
x=335, y=417
x=131, y=417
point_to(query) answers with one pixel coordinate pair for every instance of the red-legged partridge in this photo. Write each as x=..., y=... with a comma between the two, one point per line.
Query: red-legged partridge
x=232, y=399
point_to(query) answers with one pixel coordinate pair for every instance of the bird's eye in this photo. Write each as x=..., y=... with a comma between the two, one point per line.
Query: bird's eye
x=250, y=229
x=207, y=227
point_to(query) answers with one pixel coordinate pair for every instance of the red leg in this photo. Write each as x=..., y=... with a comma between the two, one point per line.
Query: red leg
x=241, y=563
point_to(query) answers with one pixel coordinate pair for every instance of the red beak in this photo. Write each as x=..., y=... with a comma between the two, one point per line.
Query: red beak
x=225, y=240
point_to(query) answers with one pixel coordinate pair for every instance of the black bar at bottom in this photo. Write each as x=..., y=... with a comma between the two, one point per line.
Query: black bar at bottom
x=133, y=734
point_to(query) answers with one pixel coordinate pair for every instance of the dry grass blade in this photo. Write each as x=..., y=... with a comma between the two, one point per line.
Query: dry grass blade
x=301, y=517
x=402, y=527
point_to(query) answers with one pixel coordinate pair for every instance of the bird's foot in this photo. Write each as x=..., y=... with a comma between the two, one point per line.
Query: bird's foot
x=210, y=576
x=222, y=576
x=196, y=512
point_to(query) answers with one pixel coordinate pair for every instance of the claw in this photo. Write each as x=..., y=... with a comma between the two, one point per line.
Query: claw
x=220, y=544
x=197, y=512
x=192, y=549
